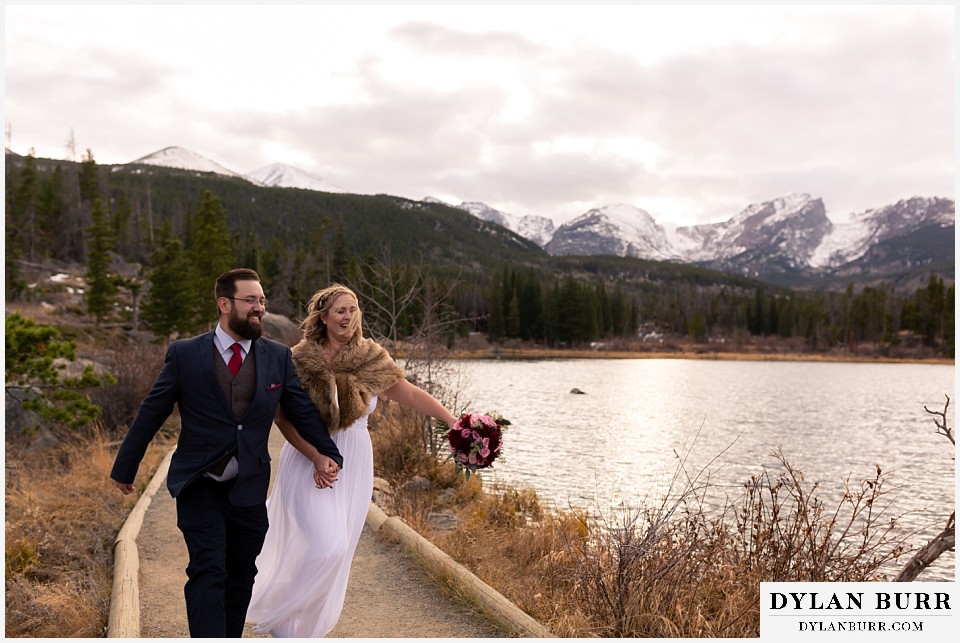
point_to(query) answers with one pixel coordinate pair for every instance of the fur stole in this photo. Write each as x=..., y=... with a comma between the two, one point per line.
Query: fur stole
x=342, y=390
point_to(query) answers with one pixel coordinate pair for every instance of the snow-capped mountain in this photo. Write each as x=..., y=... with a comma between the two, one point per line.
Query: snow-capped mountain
x=851, y=241
x=792, y=226
x=622, y=230
x=286, y=176
x=788, y=235
x=537, y=229
x=184, y=159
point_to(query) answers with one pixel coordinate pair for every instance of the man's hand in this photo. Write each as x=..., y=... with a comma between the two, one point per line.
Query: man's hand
x=325, y=471
x=125, y=487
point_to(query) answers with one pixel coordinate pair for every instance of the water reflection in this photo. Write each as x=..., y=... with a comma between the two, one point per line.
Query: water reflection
x=622, y=440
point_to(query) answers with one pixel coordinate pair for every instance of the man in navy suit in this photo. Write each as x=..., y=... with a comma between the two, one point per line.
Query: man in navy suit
x=227, y=383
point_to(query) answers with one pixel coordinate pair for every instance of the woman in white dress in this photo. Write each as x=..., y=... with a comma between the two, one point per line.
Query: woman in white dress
x=304, y=566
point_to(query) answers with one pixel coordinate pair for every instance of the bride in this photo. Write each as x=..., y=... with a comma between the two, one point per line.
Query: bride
x=305, y=562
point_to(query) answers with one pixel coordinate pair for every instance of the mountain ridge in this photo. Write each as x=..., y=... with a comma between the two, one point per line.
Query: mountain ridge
x=786, y=237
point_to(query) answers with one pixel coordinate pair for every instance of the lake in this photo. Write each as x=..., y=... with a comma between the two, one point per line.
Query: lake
x=620, y=440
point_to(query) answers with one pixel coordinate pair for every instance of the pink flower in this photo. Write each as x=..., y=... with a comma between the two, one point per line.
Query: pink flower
x=475, y=440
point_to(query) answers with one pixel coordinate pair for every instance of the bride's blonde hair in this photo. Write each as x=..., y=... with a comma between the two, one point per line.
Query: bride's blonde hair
x=313, y=327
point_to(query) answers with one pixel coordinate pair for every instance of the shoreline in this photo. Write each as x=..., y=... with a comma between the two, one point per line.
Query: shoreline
x=546, y=353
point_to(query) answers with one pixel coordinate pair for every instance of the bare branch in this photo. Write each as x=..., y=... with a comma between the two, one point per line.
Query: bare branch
x=942, y=428
x=946, y=539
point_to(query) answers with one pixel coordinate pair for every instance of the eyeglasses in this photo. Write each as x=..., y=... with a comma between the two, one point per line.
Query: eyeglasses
x=251, y=301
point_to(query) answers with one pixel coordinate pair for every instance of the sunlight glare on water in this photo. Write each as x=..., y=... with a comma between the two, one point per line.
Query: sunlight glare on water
x=620, y=440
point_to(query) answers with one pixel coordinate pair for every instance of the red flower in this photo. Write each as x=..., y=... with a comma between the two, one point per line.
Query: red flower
x=475, y=441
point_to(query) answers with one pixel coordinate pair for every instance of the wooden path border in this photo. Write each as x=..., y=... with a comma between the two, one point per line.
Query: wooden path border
x=124, y=621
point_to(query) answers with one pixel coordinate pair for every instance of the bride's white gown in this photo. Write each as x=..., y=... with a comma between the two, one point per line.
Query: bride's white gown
x=305, y=562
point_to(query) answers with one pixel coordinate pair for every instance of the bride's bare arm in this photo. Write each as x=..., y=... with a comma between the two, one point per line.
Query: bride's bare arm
x=324, y=467
x=413, y=397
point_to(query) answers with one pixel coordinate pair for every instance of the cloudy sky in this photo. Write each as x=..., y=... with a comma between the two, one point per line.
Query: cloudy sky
x=689, y=112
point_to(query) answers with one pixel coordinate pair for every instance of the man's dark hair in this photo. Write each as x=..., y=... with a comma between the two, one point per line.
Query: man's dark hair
x=227, y=282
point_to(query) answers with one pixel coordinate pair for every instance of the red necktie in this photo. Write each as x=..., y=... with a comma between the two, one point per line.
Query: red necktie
x=235, y=361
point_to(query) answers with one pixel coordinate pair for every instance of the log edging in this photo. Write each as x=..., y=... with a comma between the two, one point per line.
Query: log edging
x=124, y=619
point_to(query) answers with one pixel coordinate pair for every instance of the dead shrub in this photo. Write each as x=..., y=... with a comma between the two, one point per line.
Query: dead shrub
x=675, y=571
x=134, y=363
x=62, y=515
x=786, y=532
x=509, y=542
x=398, y=454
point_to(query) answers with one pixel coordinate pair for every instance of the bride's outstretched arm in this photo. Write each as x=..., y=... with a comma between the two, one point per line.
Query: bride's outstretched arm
x=325, y=469
x=413, y=397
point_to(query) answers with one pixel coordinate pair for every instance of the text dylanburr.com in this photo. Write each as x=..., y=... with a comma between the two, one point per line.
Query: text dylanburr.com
x=849, y=611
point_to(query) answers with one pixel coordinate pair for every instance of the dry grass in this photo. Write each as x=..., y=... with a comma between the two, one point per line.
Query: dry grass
x=62, y=514
x=673, y=570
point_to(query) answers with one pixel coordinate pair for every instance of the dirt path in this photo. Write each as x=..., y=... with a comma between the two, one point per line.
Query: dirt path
x=389, y=595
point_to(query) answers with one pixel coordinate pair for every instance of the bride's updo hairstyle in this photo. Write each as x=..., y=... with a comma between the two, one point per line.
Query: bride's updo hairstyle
x=313, y=327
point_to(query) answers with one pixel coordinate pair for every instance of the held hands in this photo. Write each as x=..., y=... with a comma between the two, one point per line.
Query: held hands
x=325, y=471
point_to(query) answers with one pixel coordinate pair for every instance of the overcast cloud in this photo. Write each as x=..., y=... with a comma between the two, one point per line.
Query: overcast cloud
x=691, y=113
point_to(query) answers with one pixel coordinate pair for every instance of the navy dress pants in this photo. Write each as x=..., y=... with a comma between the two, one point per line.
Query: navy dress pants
x=223, y=542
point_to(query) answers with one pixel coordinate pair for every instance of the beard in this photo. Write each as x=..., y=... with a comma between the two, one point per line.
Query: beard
x=242, y=326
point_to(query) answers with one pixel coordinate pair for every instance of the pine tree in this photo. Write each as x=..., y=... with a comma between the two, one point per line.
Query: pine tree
x=101, y=286
x=121, y=221
x=531, y=308
x=211, y=254
x=513, y=316
x=33, y=378
x=14, y=283
x=496, y=324
x=52, y=210
x=22, y=215
x=89, y=178
x=340, y=260
x=169, y=306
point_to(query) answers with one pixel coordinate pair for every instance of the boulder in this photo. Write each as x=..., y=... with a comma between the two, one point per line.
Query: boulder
x=383, y=495
x=281, y=329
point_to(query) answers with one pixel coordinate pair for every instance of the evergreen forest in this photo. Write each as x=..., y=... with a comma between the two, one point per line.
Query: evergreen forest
x=150, y=242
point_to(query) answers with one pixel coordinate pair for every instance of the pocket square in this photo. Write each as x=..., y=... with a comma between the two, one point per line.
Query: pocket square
x=273, y=386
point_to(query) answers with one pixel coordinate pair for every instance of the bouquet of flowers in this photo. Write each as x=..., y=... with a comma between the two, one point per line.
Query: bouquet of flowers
x=475, y=441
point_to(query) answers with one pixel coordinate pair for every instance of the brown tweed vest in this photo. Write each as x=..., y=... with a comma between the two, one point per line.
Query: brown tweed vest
x=240, y=389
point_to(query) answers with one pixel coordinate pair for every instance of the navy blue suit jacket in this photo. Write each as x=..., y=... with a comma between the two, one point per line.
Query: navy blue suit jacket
x=208, y=429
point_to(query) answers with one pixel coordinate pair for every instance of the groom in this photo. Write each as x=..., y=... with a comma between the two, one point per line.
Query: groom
x=227, y=384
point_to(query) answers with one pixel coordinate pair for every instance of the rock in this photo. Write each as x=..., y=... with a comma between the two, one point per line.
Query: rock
x=418, y=483
x=576, y=391
x=28, y=425
x=281, y=329
x=383, y=496
x=445, y=520
x=446, y=496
